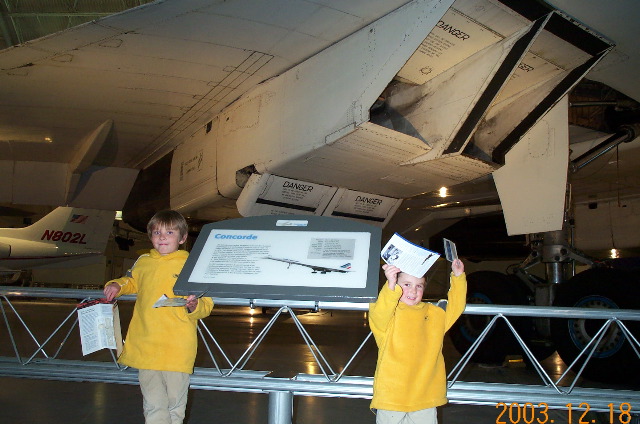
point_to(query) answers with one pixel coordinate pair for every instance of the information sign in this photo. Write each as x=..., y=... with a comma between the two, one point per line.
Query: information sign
x=287, y=257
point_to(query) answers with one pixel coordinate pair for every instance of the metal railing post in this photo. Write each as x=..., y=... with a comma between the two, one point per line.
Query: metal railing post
x=280, y=407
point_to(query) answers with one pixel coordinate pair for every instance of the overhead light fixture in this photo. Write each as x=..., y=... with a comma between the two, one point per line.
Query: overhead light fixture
x=443, y=192
x=48, y=140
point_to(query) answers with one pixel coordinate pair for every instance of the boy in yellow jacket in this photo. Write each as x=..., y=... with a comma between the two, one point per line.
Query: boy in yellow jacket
x=161, y=342
x=410, y=379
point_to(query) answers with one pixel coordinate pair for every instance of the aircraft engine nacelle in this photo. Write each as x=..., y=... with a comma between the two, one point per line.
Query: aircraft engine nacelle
x=5, y=250
x=393, y=113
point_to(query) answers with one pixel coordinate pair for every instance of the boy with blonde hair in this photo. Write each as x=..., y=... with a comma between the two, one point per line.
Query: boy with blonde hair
x=410, y=379
x=161, y=342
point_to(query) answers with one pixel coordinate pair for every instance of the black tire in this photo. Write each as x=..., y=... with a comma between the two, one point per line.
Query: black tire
x=615, y=360
x=490, y=287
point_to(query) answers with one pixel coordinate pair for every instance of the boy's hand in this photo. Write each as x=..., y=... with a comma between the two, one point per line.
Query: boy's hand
x=192, y=303
x=111, y=290
x=457, y=267
x=391, y=272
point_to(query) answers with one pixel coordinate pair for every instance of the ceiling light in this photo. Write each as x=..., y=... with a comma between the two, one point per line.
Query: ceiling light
x=443, y=192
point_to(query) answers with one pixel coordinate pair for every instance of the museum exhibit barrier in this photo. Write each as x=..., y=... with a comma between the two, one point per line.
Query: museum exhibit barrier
x=42, y=361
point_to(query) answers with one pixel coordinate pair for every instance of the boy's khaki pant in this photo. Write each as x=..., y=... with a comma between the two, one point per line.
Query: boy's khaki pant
x=424, y=416
x=164, y=396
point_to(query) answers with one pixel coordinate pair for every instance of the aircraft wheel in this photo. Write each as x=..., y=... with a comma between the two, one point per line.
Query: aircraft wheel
x=490, y=287
x=614, y=361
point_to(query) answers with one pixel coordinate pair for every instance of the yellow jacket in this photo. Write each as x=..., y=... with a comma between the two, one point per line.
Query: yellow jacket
x=162, y=339
x=410, y=372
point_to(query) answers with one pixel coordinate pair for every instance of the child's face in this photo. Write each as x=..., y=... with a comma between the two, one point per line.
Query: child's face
x=412, y=288
x=166, y=240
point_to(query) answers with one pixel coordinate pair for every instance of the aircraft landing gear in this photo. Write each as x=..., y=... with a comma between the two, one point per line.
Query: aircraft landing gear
x=490, y=287
x=614, y=360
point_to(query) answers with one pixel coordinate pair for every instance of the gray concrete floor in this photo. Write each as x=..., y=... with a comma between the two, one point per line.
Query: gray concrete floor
x=39, y=401
x=337, y=334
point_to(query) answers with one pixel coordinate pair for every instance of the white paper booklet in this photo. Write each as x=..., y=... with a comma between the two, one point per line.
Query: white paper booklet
x=410, y=258
x=99, y=323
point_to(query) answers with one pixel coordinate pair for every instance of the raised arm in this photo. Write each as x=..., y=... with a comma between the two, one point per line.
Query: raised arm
x=381, y=312
x=391, y=272
x=457, y=298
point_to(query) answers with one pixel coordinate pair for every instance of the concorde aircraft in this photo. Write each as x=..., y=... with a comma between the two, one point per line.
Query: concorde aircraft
x=356, y=104
x=64, y=235
x=348, y=108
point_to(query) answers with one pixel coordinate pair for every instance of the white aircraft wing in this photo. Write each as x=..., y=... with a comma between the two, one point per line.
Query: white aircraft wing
x=152, y=76
x=159, y=71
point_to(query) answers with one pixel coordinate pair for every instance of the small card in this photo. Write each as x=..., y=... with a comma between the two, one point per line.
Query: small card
x=450, y=251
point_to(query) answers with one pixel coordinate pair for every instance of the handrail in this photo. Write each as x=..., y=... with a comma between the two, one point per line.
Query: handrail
x=471, y=309
x=329, y=383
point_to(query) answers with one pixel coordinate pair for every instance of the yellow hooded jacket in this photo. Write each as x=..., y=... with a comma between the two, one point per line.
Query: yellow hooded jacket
x=162, y=339
x=410, y=372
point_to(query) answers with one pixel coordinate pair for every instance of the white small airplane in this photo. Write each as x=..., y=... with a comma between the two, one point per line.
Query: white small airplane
x=64, y=234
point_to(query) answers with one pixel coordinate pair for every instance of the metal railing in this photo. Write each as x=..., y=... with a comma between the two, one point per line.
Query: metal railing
x=232, y=376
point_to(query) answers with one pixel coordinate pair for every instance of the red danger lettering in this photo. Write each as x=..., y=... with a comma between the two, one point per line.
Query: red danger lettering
x=65, y=237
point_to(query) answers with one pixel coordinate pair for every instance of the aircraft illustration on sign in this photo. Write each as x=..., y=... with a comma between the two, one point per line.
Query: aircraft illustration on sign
x=315, y=268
